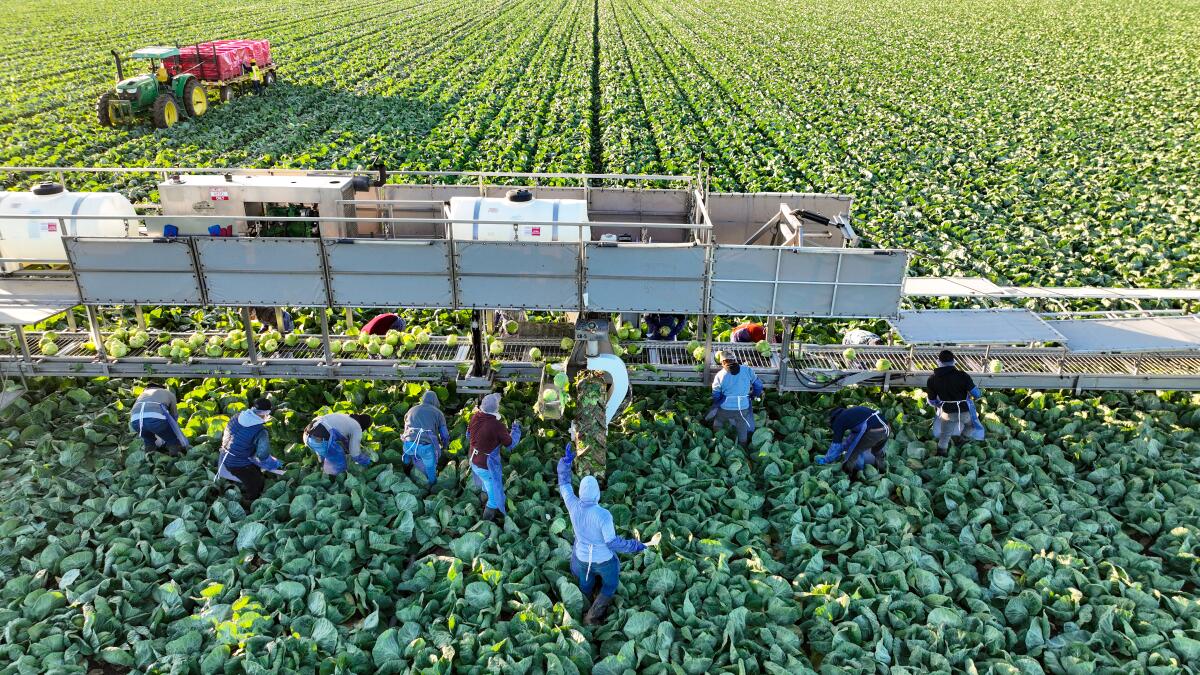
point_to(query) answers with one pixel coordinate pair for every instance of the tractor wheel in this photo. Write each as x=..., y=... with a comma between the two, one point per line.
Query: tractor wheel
x=195, y=98
x=269, y=78
x=227, y=93
x=102, y=115
x=165, y=112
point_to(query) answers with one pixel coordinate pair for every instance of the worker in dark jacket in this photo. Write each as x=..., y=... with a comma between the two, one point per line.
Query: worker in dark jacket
x=749, y=332
x=155, y=419
x=486, y=435
x=246, y=451
x=859, y=438
x=952, y=393
x=664, y=326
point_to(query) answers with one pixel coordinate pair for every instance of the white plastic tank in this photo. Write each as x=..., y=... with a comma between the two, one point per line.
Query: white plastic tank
x=36, y=236
x=518, y=210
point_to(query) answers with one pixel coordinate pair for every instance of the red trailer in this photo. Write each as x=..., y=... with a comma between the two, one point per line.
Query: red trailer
x=227, y=65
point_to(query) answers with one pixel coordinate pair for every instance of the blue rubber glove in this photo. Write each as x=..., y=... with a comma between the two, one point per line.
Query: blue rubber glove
x=835, y=451
x=976, y=393
x=270, y=464
x=718, y=396
x=363, y=460
x=516, y=435
x=569, y=454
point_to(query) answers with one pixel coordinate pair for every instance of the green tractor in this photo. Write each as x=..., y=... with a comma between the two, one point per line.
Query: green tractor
x=165, y=97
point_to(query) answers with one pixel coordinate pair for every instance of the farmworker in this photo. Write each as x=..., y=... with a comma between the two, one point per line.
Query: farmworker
x=425, y=436
x=868, y=437
x=161, y=73
x=486, y=435
x=732, y=389
x=749, y=332
x=593, y=556
x=154, y=419
x=859, y=337
x=266, y=316
x=256, y=76
x=335, y=435
x=246, y=451
x=951, y=392
x=664, y=326
x=382, y=323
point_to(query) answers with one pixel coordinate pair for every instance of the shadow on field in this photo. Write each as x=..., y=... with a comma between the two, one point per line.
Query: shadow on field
x=305, y=125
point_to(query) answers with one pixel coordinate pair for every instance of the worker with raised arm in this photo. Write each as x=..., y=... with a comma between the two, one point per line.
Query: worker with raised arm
x=486, y=435
x=246, y=451
x=749, y=332
x=732, y=390
x=335, y=436
x=859, y=438
x=664, y=326
x=593, y=556
x=952, y=393
x=859, y=337
x=382, y=323
x=425, y=436
x=155, y=419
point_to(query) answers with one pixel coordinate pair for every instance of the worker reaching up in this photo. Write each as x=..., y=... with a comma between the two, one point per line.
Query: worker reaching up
x=486, y=435
x=867, y=443
x=732, y=390
x=952, y=393
x=336, y=435
x=749, y=332
x=593, y=557
x=246, y=451
x=425, y=436
x=155, y=419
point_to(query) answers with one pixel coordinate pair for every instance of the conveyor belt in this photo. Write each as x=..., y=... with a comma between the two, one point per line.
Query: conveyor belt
x=978, y=287
x=811, y=367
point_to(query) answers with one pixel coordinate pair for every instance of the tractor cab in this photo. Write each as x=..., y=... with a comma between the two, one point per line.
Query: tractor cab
x=164, y=97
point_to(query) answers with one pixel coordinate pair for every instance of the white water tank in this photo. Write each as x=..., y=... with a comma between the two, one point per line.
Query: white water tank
x=36, y=236
x=524, y=218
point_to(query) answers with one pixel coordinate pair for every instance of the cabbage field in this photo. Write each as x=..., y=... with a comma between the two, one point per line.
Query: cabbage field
x=1030, y=142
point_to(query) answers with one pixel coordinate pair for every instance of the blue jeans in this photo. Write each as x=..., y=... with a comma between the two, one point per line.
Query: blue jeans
x=333, y=459
x=491, y=485
x=151, y=430
x=607, y=572
x=426, y=459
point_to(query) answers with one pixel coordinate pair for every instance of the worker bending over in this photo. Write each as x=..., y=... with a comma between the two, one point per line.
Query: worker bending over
x=952, y=393
x=868, y=435
x=859, y=337
x=593, y=557
x=382, y=323
x=246, y=451
x=732, y=390
x=486, y=435
x=425, y=436
x=664, y=326
x=155, y=419
x=749, y=332
x=336, y=435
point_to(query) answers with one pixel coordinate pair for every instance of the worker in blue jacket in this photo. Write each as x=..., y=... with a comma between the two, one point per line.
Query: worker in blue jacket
x=593, y=556
x=246, y=451
x=664, y=326
x=859, y=438
x=732, y=390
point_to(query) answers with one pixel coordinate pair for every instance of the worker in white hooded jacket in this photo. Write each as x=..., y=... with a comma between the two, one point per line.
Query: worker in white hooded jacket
x=593, y=557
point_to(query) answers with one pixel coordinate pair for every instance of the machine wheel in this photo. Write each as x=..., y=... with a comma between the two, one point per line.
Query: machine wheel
x=269, y=78
x=227, y=93
x=165, y=112
x=195, y=98
x=102, y=115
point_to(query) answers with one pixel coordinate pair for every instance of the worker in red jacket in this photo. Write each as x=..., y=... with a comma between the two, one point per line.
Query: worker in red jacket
x=382, y=323
x=749, y=332
x=486, y=435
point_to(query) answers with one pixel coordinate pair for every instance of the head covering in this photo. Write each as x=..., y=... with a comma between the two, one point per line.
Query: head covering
x=727, y=357
x=875, y=341
x=430, y=397
x=490, y=404
x=364, y=421
x=589, y=490
x=946, y=357
x=262, y=405
x=833, y=414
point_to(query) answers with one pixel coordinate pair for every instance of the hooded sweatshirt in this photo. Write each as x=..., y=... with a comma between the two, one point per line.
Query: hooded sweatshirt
x=245, y=438
x=736, y=389
x=425, y=424
x=596, y=539
x=347, y=427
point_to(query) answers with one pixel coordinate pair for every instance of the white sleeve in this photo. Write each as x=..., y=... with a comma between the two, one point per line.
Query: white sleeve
x=355, y=448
